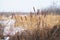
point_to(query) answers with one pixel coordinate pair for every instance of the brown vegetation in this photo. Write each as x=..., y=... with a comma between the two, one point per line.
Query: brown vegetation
x=37, y=27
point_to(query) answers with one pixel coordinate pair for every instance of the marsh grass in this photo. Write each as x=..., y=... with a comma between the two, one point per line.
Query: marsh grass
x=45, y=34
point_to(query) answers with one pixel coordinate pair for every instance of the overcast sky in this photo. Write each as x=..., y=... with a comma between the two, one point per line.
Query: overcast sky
x=25, y=5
